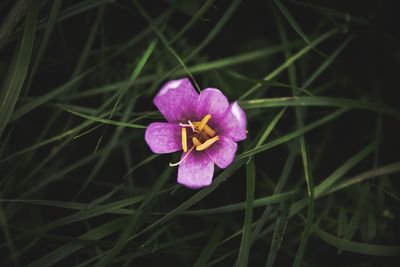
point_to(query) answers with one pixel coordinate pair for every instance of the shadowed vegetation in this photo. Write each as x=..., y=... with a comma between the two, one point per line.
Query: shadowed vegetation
x=314, y=184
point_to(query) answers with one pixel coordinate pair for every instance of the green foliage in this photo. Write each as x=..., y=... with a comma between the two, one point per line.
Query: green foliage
x=313, y=181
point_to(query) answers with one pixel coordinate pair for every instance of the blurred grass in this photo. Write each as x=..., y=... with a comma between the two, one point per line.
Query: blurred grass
x=79, y=187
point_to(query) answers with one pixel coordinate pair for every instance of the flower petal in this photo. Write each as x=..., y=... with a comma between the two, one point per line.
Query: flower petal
x=196, y=170
x=177, y=100
x=163, y=137
x=212, y=101
x=222, y=152
x=233, y=124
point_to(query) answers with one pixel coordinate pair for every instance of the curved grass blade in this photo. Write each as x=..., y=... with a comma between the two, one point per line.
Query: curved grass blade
x=101, y=120
x=16, y=14
x=358, y=247
x=319, y=101
x=15, y=78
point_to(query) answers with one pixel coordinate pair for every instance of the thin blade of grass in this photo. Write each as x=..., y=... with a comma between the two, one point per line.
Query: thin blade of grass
x=209, y=248
x=259, y=202
x=320, y=101
x=290, y=61
x=384, y=170
x=342, y=170
x=358, y=247
x=278, y=189
x=292, y=135
x=38, y=101
x=16, y=14
x=102, y=120
x=291, y=20
x=146, y=205
x=326, y=63
x=95, y=234
x=55, y=9
x=280, y=227
x=165, y=42
x=194, y=199
x=15, y=78
x=245, y=244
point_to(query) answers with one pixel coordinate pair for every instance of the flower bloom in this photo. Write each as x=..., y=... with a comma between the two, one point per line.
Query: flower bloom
x=205, y=126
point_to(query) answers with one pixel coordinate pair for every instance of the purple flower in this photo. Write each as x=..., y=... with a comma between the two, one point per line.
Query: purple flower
x=205, y=126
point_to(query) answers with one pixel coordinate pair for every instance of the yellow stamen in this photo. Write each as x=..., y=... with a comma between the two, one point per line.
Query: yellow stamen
x=184, y=139
x=207, y=143
x=184, y=157
x=204, y=122
x=209, y=130
x=196, y=141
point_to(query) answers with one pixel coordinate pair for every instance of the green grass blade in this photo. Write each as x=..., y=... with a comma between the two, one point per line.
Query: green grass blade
x=55, y=9
x=102, y=120
x=16, y=76
x=66, y=250
x=216, y=29
x=358, y=247
x=193, y=20
x=165, y=42
x=323, y=188
x=326, y=63
x=342, y=170
x=245, y=244
x=319, y=101
x=384, y=170
x=35, y=103
x=8, y=24
x=210, y=248
x=194, y=199
x=287, y=168
x=292, y=135
x=139, y=215
x=280, y=227
x=291, y=20
x=259, y=202
x=290, y=61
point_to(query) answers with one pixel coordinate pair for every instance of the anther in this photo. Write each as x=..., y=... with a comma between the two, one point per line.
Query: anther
x=207, y=143
x=203, y=122
x=184, y=139
x=209, y=131
x=196, y=141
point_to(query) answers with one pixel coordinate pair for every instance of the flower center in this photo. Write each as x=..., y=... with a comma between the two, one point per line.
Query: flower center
x=201, y=134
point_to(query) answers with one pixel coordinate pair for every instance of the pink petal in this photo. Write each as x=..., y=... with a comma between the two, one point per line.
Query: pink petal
x=177, y=100
x=222, y=152
x=212, y=101
x=233, y=124
x=163, y=137
x=196, y=170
